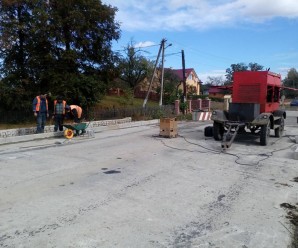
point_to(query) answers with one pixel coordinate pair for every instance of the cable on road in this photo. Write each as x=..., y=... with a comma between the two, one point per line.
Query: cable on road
x=238, y=157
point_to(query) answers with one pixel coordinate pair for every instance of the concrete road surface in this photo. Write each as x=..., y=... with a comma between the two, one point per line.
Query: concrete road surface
x=130, y=188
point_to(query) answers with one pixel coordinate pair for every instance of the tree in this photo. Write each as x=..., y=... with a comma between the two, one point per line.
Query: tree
x=215, y=81
x=234, y=68
x=241, y=67
x=15, y=23
x=291, y=81
x=171, y=81
x=255, y=67
x=57, y=46
x=133, y=67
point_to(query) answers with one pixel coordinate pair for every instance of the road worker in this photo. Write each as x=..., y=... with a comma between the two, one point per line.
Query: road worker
x=75, y=112
x=59, y=113
x=41, y=111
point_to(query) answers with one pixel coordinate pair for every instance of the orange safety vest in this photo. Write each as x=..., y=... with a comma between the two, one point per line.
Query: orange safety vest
x=64, y=104
x=37, y=107
x=78, y=108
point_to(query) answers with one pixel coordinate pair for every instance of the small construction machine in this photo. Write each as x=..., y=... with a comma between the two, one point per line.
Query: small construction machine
x=254, y=107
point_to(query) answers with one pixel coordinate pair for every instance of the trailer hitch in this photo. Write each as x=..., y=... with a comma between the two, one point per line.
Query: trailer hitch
x=229, y=136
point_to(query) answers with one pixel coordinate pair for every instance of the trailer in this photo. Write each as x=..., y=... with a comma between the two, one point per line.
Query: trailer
x=255, y=108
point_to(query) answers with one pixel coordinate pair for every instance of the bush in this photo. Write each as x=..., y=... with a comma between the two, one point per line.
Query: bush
x=183, y=106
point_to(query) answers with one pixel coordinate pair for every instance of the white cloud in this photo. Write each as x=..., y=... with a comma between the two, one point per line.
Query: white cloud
x=286, y=56
x=203, y=76
x=197, y=14
x=261, y=10
x=145, y=44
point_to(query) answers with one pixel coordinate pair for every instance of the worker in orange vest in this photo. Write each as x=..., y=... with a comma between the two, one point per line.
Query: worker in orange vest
x=59, y=113
x=75, y=112
x=41, y=111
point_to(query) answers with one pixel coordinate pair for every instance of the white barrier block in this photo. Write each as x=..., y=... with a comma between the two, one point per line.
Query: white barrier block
x=204, y=116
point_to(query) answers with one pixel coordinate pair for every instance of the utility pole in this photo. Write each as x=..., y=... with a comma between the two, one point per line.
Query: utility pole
x=184, y=78
x=150, y=85
x=162, y=70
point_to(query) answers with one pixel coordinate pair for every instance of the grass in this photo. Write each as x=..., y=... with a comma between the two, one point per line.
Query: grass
x=13, y=126
x=109, y=102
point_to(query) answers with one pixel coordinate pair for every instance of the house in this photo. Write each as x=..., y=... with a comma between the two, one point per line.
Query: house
x=193, y=85
x=218, y=91
x=192, y=80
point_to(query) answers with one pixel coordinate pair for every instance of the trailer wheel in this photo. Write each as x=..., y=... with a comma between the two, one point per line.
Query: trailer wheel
x=280, y=130
x=218, y=131
x=264, y=134
x=208, y=131
x=253, y=129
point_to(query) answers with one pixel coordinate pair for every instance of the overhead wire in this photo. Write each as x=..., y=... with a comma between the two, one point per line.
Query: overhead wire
x=197, y=51
x=202, y=52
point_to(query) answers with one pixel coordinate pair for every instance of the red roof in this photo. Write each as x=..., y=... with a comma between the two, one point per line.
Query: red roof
x=179, y=72
x=214, y=91
x=217, y=89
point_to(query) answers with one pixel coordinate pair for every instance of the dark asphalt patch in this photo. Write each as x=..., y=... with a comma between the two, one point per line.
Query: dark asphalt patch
x=292, y=215
x=219, y=198
x=112, y=172
x=288, y=206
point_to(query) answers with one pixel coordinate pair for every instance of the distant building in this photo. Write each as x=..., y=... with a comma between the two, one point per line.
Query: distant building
x=192, y=80
x=218, y=92
x=193, y=84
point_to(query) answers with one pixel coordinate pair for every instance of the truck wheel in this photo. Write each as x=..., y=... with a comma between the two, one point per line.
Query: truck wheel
x=280, y=130
x=264, y=134
x=218, y=131
x=208, y=131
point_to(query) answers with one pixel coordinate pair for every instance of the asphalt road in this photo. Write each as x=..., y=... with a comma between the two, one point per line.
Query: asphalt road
x=131, y=188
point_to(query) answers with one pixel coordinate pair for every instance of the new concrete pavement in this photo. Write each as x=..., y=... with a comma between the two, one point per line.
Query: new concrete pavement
x=128, y=187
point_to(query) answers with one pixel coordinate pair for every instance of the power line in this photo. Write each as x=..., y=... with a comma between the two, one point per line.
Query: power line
x=203, y=52
x=170, y=54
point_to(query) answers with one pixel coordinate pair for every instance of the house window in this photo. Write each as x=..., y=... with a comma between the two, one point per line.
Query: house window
x=190, y=77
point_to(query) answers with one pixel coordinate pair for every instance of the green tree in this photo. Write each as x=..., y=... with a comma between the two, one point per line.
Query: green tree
x=171, y=81
x=15, y=23
x=133, y=67
x=234, y=68
x=59, y=46
x=255, y=67
x=291, y=81
x=241, y=67
x=82, y=32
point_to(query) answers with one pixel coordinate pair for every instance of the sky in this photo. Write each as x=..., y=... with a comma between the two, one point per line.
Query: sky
x=212, y=33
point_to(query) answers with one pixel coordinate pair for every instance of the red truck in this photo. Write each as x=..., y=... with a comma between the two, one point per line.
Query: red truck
x=255, y=108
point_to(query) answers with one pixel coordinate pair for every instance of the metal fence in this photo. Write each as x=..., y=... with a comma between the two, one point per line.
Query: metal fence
x=15, y=117
x=137, y=113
